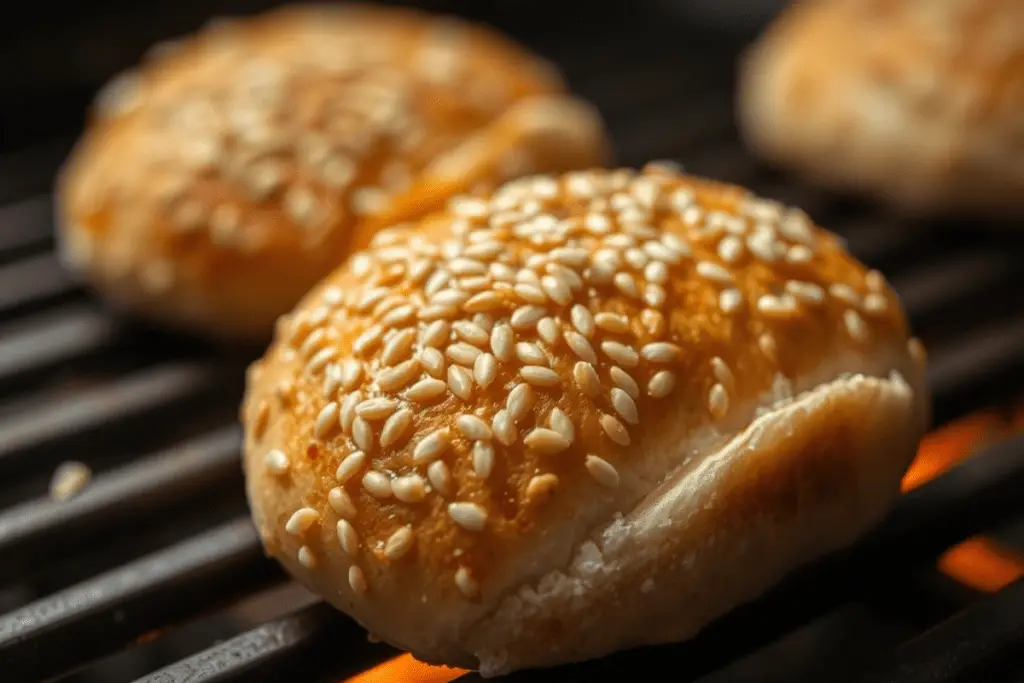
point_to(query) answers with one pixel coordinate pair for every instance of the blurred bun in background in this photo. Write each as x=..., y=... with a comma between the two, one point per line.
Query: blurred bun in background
x=916, y=102
x=220, y=180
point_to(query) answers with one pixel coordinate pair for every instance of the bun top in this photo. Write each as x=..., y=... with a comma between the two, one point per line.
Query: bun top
x=267, y=138
x=456, y=392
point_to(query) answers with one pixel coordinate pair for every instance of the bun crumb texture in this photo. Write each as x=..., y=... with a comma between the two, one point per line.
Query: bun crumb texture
x=223, y=178
x=502, y=374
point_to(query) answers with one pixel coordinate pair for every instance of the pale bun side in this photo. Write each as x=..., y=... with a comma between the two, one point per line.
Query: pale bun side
x=913, y=102
x=462, y=436
x=222, y=178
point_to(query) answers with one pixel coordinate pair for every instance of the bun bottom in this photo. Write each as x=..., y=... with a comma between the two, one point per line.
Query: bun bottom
x=808, y=476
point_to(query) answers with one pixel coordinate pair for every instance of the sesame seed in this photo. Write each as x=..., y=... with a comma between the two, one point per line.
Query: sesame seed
x=439, y=476
x=399, y=376
x=482, y=302
x=730, y=249
x=398, y=347
x=624, y=406
x=730, y=300
x=661, y=352
x=541, y=486
x=432, y=362
x=763, y=245
x=377, y=484
x=357, y=580
x=546, y=441
x=766, y=343
x=376, y=408
x=352, y=463
x=483, y=458
x=855, y=326
x=548, y=329
x=603, y=472
x=326, y=420
x=301, y=520
x=362, y=434
x=636, y=258
x=720, y=369
x=396, y=427
x=431, y=447
x=409, y=488
x=620, y=353
x=469, y=516
x=367, y=340
x=399, y=543
x=347, y=537
x=612, y=322
x=341, y=503
x=676, y=245
x=807, y=292
x=615, y=430
x=503, y=342
x=530, y=293
x=625, y=283
x=460, y=382
x=466, y=584
x=714, y=272
x=276, y=462
x=587, y=379
x=316, y=339
x=319, y=360
x=539, y=376
x=530, y=354
x=556, y=289
x=306, y=557
x=718, y=401
x=580, y=346
x=777, y=306
x=561, y=423
x=656, y=272
x=798, y=254
x=504, y=427
x=473, y=428
x=426, y=390
x=874, y=281
x=462, y=353
x=875, y=304
x=397, y=317
x=661, y=384
x=519, y=402
x=485, y=369
x=844, y=293
x=351, y=374
x=582, y=320
x=470, y=332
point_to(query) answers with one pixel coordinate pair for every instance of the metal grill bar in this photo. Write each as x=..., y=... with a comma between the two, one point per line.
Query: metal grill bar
x=32, y=282
x=38, y=436
x=53, y=339
x=961, y=648
x=26, y=225
x=101, y=615
x=42, y=531
x=303, y=646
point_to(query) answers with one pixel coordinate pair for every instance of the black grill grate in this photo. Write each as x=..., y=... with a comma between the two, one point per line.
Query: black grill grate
x=161, y=540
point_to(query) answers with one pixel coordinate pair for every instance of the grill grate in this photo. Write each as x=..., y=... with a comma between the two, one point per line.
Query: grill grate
x=161, y=540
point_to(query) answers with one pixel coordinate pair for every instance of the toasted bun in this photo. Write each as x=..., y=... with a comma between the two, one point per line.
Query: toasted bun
x=916, y=102
x=221, y=180
x=579, y=414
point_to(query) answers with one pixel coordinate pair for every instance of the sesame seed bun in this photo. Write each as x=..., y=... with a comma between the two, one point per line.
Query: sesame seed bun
x=915, y=102
x=582, y=413
x=225, y=176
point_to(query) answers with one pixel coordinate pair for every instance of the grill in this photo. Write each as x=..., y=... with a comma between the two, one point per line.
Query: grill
x=153, y=572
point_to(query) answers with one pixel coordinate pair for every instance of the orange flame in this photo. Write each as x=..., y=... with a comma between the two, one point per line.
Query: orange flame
x=977, y=562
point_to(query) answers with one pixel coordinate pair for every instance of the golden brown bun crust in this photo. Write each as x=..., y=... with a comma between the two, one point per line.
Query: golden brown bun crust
x=543, y=358
x=915, y=101
x=221, y=180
